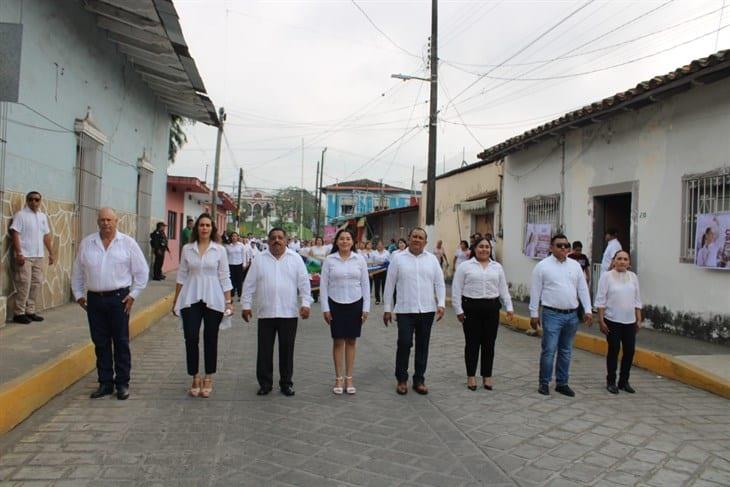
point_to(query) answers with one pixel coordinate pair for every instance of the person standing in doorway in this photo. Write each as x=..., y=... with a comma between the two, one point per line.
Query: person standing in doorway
x=345, y=291
x=578, y=256
x=619, y=314
x=559, y=285
x=158, y=243
x=108, y=275
x=419, y=281
x=612, y=246
x=279, y=281
x=30, y=232
x=187, y=232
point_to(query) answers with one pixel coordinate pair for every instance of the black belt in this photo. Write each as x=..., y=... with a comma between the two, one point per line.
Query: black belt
x=488, y=300
x=562, y=311
x=115, y=292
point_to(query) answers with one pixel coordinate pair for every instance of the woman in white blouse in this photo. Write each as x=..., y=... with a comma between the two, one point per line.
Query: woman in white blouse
x=318, y=250
x=378, y=257
x=235, y=251
x=462, y=254
x=202, y=294
x=619, y=314
x=345, y=290
x=478, y=287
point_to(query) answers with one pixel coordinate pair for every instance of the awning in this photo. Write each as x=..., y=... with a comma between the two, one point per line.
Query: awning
x=477, y=202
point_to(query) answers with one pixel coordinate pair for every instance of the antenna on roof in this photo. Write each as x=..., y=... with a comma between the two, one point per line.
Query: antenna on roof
x=463, y=157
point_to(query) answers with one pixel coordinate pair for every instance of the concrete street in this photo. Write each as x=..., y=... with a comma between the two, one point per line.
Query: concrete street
x=667, y=434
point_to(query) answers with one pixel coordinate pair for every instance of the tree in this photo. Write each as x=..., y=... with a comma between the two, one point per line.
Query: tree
x=287, y=203
x=177, y=136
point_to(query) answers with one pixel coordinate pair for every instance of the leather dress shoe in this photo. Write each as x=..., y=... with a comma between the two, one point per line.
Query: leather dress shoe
x=263, y=391
x=34, y=317
x=627, y=387
x=543, y=389
x=102, y=390
x=122, y=392
x=420, y=388
x=22, y=319
x=612, y=388
x=402, y=388
x=287, y=391
x=565, y=390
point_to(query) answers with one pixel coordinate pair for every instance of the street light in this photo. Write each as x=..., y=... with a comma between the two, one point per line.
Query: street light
x=406, y=77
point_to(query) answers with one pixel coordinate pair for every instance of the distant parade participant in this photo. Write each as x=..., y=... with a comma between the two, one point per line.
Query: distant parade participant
x=108, y=275
x=462, y=254
x=379, y=256
x=236, y=252
x=578, y=256
x=187, y=232
x=319, y=250
x=612, y=246
x=158, y=243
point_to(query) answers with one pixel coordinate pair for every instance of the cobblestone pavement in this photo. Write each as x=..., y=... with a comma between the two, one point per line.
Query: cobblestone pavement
x=667, y=434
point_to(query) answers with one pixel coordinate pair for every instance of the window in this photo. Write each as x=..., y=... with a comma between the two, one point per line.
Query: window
x=172, y=225
x=144, y=206
x=347, y=209
x=543, y=210
x=702, y=193
x=88, y=187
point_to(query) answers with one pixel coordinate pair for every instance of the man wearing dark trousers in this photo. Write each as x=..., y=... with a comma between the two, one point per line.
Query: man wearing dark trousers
x=108, y=275
x=279, y=281
x=418, y=280
x=158, y=242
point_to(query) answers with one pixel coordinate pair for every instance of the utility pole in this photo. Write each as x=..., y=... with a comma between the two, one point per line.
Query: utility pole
x=316, y=200
x=319, y=187
x=301, y=196
x=431, y=173
x=238, y=204
x=217, y=169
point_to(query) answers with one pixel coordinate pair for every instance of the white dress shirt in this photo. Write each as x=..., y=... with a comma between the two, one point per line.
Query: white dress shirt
x=345, y=281
x=558, y=285
x=120, y=265
x=476, y=282
x=276, y=284
x=247, y=255
x=419, y=282
x=294, y=245
x=613, y=246
x=380, y=258
x=618, y=293
x=235, y=253
x=32, y=226
x=318, y=252
x=203, y=277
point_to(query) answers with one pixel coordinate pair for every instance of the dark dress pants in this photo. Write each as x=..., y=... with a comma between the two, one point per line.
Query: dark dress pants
x=481, y=322
x=237, y=276
x=192, y=318
x=109, y=327
x=379, y=284
x=159, y=261
x=268, y=329
x=620, y=335
x=409, y=324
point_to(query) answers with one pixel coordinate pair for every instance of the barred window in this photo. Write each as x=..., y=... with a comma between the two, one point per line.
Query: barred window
x=702, y=193
x=89, y=165
x=544, y=210
x=171, y=225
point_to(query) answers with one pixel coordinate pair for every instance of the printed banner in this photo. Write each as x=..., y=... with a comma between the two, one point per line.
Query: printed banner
x=329, y=233
x=712, y=241
x=537, y=240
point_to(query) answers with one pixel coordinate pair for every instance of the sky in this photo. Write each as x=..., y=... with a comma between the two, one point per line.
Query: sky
x=298, y=76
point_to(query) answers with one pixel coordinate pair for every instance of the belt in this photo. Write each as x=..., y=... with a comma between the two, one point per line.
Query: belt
x=489, y=300
x=115, y=292
x=562, y=311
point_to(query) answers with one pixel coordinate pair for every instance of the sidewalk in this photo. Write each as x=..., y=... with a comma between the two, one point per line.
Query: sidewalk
x=39, y=360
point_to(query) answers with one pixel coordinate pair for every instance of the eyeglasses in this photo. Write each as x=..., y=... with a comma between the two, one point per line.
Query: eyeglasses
x=562, y=245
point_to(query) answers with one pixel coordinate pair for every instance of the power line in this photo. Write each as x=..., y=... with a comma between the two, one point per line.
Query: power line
x=397, y=151
x=382, y=151
x=375, y=26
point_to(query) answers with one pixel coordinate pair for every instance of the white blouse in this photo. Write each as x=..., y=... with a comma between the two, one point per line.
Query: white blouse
x=461, y=257
x=618, y=293
x=345, y=281
x=318, y=252
x=380, y=258
x=236, y=253
x=203, y=277
x=474, y=281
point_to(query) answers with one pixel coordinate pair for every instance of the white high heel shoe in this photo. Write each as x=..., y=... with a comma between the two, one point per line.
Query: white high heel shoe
x=337, y=389
x=350, y=389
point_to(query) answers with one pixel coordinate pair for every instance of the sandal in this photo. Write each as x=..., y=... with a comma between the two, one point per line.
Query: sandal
x=337, y=389
x=207, y=387
x=194, y=390
x=350, y=389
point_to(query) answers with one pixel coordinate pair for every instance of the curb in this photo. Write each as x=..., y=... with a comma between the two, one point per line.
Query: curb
x=27, y=393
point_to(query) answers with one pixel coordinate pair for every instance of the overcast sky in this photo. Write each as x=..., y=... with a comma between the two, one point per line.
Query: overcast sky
x=319, y=71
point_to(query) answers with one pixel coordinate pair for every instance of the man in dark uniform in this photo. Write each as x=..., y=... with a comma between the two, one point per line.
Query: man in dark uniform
x=158, y=242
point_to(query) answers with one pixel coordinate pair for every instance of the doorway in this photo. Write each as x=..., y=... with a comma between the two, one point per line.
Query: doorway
x=484, y=223
x=611, y=211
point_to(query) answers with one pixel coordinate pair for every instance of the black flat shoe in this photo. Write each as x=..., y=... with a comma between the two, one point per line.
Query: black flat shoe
x=263, y=391
x=612, y=388
x=103, y=390
x=488, y=387
x=34, y=317
x=471, y=388
x=626, y=387
x=565, y=390
x=287, y=391
x=22, y=319
x=543, y=389
x=122, y=393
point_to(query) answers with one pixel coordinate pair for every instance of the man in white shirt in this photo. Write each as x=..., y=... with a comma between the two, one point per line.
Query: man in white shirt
x=612, y=246
x=30, y=233
x=108, y=275
x=280, y=282
x=559, y=285
x=416, y=276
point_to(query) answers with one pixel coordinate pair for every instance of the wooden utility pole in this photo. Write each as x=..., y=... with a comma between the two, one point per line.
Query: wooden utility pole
x=217, y=168
x=238, y=203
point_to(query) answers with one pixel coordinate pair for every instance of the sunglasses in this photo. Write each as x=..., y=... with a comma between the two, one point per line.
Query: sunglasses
x=562, y=245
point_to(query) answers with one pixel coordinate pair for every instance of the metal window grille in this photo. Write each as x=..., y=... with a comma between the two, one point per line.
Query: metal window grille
x=89, y=163
x=144, y=208
x=171, y=225
x=543, y=209
x=704, y=193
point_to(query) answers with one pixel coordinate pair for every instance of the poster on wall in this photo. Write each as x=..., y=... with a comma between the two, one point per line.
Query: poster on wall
x=537, y=240
x=329, y=233
x=712, y=241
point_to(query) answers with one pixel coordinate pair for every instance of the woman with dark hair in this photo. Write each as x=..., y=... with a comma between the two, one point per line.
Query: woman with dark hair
x=619, y=315
x=478, y=287
x=345, y=290
x=462, y=254
x=380, y=256
x=402, y=245
x=202, y=294
x=236, y=251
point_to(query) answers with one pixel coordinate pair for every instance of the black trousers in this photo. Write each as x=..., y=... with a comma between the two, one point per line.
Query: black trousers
x=620, y=335
x=268, y=329
x=157, y=265
x=109, y=327
x=481, y=322
x=192, y=318
x=379, y=284
x=237, y=277
x=409, y=324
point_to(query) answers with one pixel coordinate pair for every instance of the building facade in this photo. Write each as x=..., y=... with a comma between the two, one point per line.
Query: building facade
x=359, y=197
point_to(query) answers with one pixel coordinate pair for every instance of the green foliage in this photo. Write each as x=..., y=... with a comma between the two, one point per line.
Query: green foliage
x=177, y=136
x=288, y=206
x=715, y=328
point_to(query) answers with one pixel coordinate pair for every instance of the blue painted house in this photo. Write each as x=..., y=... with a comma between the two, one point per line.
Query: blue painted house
x=350, y=199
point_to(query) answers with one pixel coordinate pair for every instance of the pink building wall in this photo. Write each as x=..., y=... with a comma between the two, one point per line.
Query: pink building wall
x=174, y=202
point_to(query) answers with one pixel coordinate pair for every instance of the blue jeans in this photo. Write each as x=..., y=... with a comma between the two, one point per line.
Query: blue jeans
x=558, y=332
x=408, y=325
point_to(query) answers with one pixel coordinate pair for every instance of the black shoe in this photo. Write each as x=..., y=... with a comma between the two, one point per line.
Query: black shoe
x=103, y=390
x=22, y=319
x=488, y=387
x=287, y=391
x=544, y=389
x=565, y=390
x=471, y=388
x=263, y=391
x=34, y=317
x=122, y=392
x=626, y=387
x=377, y=301
x=612, y=388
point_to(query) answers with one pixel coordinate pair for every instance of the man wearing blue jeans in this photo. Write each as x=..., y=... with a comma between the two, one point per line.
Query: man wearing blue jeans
x=558, y=284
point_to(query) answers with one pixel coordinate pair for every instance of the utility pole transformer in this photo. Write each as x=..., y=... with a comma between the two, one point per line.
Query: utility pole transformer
x=217, y=169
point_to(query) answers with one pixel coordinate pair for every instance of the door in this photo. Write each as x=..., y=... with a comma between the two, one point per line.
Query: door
x=484, y=223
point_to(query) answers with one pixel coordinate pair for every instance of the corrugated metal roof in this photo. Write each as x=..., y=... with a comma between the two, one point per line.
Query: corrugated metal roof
x=148, y=33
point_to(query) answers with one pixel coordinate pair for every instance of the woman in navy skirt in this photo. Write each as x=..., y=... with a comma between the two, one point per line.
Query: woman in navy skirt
x=345, y=291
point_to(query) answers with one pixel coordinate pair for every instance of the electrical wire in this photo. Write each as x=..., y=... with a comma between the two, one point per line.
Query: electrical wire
x=375, y=26
x=383, y=150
